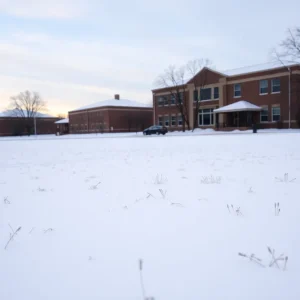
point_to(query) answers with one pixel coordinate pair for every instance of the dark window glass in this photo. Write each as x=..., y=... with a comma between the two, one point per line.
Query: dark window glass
x=205, y=94
x=216, y=93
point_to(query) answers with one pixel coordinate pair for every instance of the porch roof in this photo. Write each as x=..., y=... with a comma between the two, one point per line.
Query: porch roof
x=63, y=121
x=238, y=106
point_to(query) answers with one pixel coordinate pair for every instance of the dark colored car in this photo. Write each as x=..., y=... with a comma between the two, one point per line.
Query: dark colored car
x=156, y=129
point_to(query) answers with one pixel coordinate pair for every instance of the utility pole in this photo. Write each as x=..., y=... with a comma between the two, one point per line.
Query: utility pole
x=34, y=124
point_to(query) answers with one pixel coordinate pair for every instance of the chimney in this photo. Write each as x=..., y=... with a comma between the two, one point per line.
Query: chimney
x=117, y=97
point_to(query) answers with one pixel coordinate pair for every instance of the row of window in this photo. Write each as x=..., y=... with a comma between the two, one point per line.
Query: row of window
x=165, y=101
x=264, y=114
x=206, y=94
x=263, y=87
x=165, y=120
x=205, y=118
x=213, y=93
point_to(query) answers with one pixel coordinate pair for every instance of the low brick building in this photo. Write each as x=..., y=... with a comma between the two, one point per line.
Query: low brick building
x=11, y=125
x=114, y=115
x=272, y=87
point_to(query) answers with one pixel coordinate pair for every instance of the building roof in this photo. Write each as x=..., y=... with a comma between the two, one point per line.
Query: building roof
x=115, y=103
x=238, y=106
x=14, y=114
x=259, y=68
x=63, y=121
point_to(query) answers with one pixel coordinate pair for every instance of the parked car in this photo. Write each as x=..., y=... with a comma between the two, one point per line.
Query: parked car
x=156, y=129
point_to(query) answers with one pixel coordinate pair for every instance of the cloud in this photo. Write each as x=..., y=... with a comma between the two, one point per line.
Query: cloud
x=59, y=9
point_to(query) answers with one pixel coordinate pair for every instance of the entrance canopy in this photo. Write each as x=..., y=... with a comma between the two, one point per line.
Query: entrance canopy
x=238, y=106
x=63, y=121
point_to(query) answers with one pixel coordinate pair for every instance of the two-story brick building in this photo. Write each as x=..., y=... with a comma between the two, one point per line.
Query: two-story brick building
x=268, y=95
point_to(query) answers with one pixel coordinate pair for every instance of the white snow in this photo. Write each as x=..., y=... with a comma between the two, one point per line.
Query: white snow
x=114, y=102
x=238, y=106
x=90, y=210
x=63, y=121
x=259, y=67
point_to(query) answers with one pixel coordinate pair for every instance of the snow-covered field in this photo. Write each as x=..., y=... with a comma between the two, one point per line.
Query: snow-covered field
x=89, y=209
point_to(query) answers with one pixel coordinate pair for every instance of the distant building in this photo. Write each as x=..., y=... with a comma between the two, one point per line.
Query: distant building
x=267, y=95
x=114, y=115
x=11, y=124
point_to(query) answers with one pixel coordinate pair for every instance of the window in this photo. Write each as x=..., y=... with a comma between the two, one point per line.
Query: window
x=216, y=93
x=206, y=117
x=275, y=113
x=173, y=121
x=160, y=121
x=180, y=97
x=276, y=85
x=264, y=114
x=167, y=120
x=173, y=100
x=196, y=95
x=160, y=101
x=166, y=101
x=179, y=120
x=237, y=90
x=263, y=87
x=205, y=94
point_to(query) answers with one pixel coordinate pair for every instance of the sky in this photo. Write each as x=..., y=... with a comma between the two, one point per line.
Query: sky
x=76, y=52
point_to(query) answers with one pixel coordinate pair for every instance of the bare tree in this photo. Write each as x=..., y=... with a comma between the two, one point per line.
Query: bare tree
x=27, y=104
x=194, y=67
x=61, y=116
x=291, y=45
x=174, y=79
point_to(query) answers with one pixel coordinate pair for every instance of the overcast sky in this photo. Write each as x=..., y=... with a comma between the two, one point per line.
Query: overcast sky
x=75, y=52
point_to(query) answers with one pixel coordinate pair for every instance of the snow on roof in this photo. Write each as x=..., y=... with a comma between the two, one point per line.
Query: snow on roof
x=260, y=67
x=114, y=102
x=63, y=121
x=15, y=114
x=238, y=106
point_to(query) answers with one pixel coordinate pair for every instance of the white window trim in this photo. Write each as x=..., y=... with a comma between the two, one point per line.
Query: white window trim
x=175, y=121
x=275, y=115
x=160, y=116
x=212, y=124
x=211, y=94
x=267, y=115
x=164, y=122
x=181, y=120
x=208, y=100
x=262, y=94
x=272, y=86
x=214, y=93
x=234, y=96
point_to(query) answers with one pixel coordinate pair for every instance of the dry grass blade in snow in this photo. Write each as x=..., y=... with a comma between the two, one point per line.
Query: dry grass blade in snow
x=160, y=179
x=211, y=179
x=12, y=235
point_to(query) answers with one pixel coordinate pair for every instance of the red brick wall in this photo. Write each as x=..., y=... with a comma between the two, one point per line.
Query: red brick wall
x=19, y=126
x=168, y=110
x=108, y=119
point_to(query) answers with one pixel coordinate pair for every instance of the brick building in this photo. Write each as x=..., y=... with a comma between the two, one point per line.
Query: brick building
x=11, y=125
x=268, y=95
x=114, y=115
